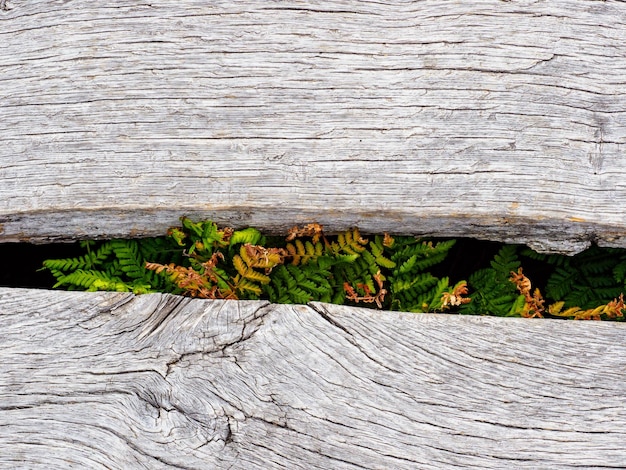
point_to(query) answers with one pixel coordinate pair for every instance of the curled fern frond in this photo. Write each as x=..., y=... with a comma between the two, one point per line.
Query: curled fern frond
x=200, y=239
x=256, y=256
x=369, y=293
x=314, y=230
x=456, y=296
x=533, y=303
x=208, y=282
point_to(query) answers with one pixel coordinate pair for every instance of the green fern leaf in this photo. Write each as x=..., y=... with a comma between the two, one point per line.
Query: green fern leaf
x=491, y=291
x=506, y=261
x=88, y=261
x=131, y=262
x=378, y=252
x=434, y=296
x=91, y=280
x=250, y=236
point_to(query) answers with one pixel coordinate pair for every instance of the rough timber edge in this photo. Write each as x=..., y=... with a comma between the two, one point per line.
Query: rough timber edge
x=568, y=236
x=546, y=392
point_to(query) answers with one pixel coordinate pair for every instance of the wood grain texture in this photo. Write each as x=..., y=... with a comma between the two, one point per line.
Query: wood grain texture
x=492, y=119
x=106, y=380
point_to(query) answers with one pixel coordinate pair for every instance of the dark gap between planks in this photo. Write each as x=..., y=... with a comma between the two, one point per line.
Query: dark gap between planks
x=22, y=262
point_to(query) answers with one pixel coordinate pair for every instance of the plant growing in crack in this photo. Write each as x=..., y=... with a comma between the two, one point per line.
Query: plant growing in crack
x=200, y=259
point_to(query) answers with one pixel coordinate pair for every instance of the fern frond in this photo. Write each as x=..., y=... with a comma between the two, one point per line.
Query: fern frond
x=533, y=302
x=456, y=296
x=588, y=279
x=412, y=288
x=611, y=311
x=130, y=259
x=370, y=294
x=255, y=276
x=284, y=288
x=360, y=274
x=188, y=280
x=299, y=284
x=256, y=256
x=506, y=261
x=200, y=239
x=619, y=271
x=302, y=253
x=415, y=255
x=349, y=242
x=561, y=283
x=88, y=261
x=433, y=299
x=378, y=249
x=314, y=230
x=491, y=291
x=93, y=280
x=250, y=236
x=408, y=292
x=243, y=288
x=239, y=264
x=326, y=262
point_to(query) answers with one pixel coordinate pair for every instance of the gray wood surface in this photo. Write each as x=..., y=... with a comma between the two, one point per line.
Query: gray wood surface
x=108, y=380
x=493, y=119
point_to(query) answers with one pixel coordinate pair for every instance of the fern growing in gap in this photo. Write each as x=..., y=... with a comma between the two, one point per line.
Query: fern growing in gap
x=116, y=265
x=201, y=260
x=307, y=274
x=222, y=263
x=382, y=272
x=492, y=292
x=593, y=277
x=412, y=287
x=319, y=268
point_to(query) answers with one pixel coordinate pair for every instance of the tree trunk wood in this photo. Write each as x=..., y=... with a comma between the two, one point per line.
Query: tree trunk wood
x=108, y=380
x=493, y=119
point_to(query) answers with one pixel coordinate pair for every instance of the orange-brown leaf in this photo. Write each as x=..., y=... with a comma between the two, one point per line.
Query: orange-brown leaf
x=313, y=230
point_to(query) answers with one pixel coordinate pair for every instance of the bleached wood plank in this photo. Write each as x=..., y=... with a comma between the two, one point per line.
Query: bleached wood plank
x=105, y=380
x=491, y=119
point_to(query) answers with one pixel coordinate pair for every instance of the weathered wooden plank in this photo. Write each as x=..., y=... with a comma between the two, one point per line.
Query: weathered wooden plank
x=106, y=380
x=502, y=120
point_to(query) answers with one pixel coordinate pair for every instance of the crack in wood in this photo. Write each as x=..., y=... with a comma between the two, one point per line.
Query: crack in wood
x=325, y=314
